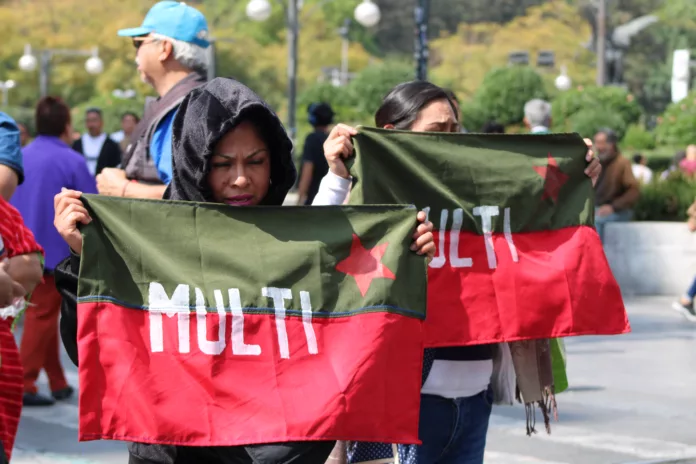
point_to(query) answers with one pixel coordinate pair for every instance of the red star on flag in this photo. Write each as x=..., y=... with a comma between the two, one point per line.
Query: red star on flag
x=554, y=178
x=365, y=265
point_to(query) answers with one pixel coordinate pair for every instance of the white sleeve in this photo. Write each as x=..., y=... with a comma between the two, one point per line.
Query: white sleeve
x=333, y=190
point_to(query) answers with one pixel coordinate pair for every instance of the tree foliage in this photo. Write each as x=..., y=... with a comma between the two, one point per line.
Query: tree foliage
x=676, y=126
x=396, y=31
x=468, y=40
x=588, y=121
x=504, y=92
x=461, y=60
x=666, y=200
x=648, y=62
x=613, y=107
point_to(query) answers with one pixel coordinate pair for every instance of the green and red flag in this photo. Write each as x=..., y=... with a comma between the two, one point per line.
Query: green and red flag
x=210, y=325
x=517, y=253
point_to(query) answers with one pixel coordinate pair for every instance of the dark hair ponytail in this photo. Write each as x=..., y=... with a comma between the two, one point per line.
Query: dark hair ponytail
x=401, y=106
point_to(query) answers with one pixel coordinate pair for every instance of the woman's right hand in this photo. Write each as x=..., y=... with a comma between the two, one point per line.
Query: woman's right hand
x=69, y=212
x=338, y=147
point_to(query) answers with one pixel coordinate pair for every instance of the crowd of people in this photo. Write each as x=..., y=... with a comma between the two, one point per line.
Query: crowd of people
x=219, y=142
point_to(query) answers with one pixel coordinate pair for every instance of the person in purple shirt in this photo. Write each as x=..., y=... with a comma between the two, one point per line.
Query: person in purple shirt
x=49, y=166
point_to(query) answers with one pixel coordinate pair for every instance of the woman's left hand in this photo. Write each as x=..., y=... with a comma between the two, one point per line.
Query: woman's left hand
x=423, y=243
x=594, y=168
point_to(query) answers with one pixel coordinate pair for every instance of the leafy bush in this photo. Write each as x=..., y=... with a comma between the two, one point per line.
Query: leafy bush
x=658, y=164
x=637, y=138
x=666, y=200
x=600, y=100
x=340, y=100
x=588, y=121
x=367, y=90
x=473, y=116
x=676, y=126
x=504, y=92
x=338, y=97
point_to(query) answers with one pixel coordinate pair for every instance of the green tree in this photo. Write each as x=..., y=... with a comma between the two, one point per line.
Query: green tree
x=587, y=122
x=505, y=91
x=395, y=32
x=368, y=89
x=676, y=126
x=461, y=60
x=598, y=101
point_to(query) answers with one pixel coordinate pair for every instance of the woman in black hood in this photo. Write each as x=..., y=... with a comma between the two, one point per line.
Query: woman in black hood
x=228, y=147
x=242, y=139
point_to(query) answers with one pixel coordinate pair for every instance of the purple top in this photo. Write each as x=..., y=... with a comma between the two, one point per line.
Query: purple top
x=49, y=165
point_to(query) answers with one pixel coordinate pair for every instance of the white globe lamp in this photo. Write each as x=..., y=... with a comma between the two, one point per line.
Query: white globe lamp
x=10, y=84
x=367, y=13
x=563, y=82
x=258, y=10
x=94, y=65
x=28, y=62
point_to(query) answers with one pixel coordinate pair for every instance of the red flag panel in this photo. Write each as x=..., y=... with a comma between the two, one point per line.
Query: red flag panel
x=140, y=383
x=521, y=286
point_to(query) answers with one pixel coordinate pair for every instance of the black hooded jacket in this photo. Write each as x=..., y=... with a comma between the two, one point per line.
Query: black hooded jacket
x=203, y=118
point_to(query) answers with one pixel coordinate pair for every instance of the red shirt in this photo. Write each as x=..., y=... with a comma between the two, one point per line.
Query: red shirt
x=16, y=239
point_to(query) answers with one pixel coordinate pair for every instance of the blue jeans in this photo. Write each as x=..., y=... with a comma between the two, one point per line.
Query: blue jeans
x=692, y=291
x=453, y=431
x=619, y=216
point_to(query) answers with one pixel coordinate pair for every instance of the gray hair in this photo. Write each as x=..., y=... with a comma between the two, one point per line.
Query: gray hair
x=187, y=54
x=538, y=112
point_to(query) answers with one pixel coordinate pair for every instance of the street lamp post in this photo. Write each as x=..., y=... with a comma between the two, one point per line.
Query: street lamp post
x=366, y=13
x=422, y=15
x=345, y=46
x=6, y=86
x=601, y=42
x=28, y=62
x=212, y=55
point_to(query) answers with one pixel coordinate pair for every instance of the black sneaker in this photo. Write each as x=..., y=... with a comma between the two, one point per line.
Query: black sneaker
x=63, y=393
x=687, y=310
x=34, y=399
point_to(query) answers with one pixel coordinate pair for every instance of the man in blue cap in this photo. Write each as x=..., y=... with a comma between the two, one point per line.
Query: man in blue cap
x=170, y=53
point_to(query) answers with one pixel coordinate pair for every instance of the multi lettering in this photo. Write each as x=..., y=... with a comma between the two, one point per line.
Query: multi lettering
x=160, y=304
x=486, y=213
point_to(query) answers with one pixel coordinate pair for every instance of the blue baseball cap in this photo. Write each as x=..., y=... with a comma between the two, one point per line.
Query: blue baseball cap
x=175, y=20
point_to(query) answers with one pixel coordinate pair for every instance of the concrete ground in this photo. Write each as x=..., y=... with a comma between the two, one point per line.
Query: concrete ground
x=632, y=400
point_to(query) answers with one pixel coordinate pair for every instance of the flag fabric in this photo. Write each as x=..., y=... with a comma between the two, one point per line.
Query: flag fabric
x=211, y=325
x=517, y=257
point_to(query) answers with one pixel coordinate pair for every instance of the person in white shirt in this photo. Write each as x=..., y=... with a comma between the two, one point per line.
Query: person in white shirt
x=641, y=171
x=457, y=394
x=456, y=400
x=99, y=150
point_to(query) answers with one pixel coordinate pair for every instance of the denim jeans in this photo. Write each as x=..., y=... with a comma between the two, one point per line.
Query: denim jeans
x=453, y=431
x=692, y=290
x=619, y=216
